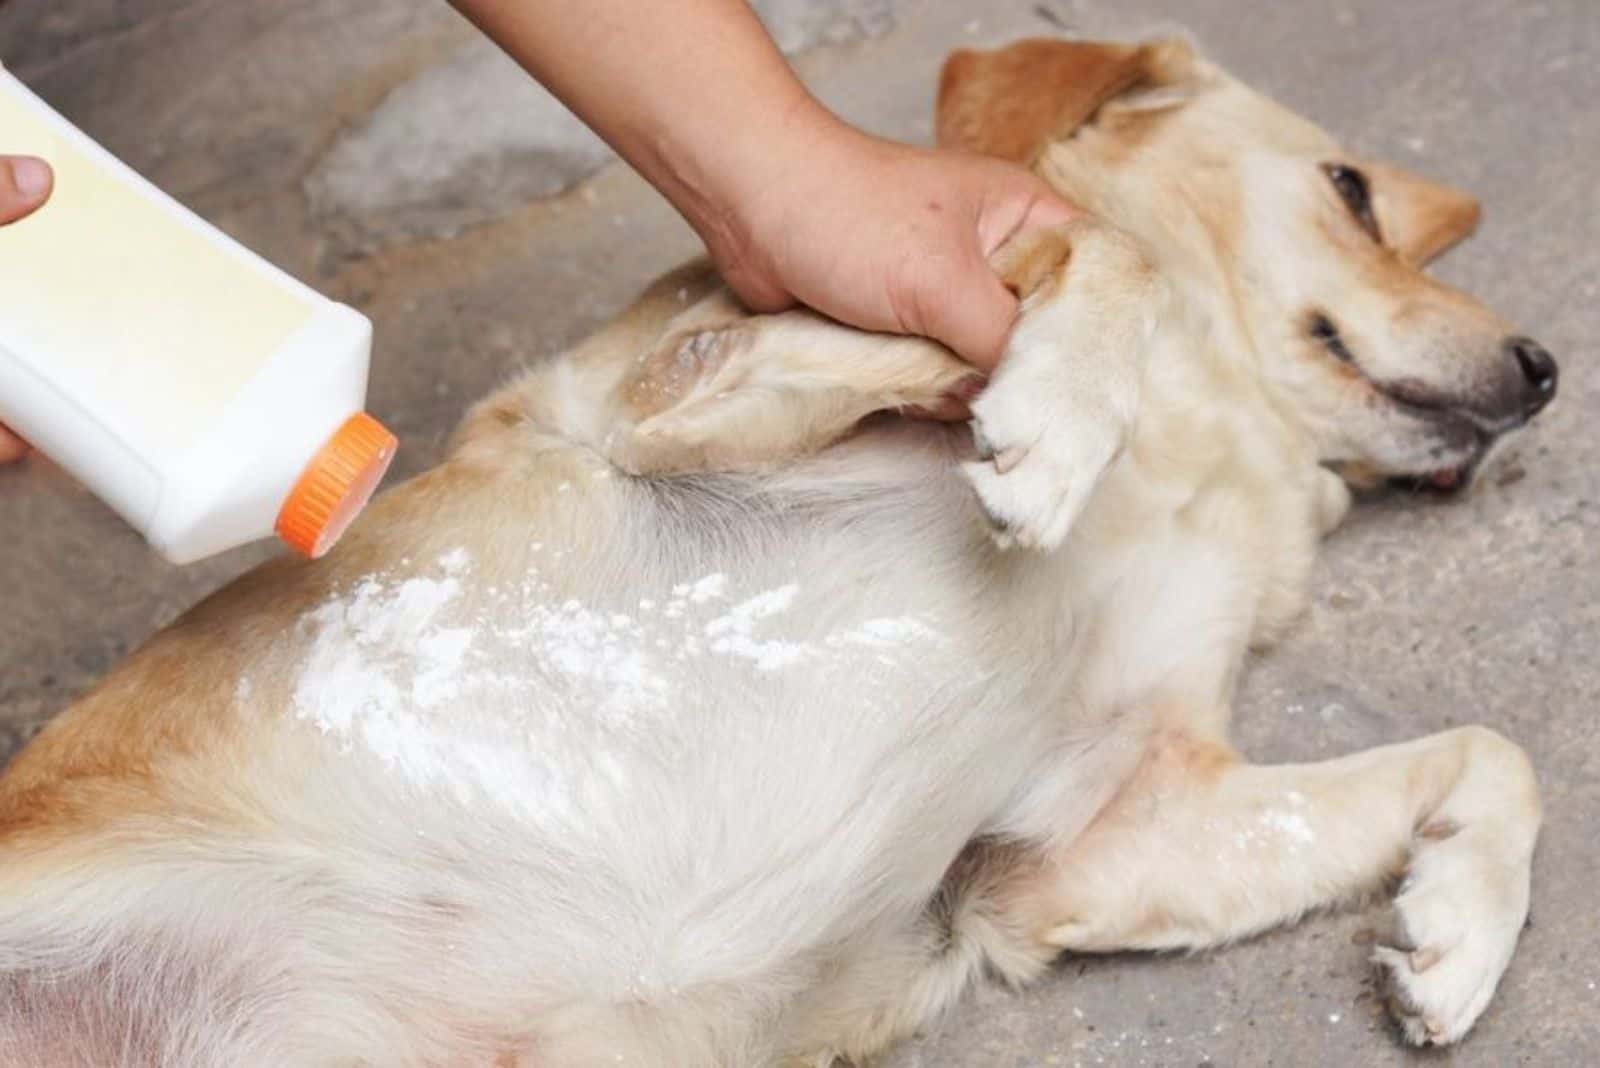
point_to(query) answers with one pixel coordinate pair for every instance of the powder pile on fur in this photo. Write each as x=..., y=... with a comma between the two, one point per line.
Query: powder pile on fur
x=394, y=667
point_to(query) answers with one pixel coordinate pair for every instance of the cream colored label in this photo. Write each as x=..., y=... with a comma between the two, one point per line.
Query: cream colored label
x=138, y=311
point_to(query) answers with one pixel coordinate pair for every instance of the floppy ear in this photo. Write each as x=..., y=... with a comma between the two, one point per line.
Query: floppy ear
x=1420, y=219
x=1013, y=101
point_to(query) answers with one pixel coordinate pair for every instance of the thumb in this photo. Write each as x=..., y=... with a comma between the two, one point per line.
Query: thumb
x=25, y=184
x=11, y=447
x=971, y=314
x=1024, y=203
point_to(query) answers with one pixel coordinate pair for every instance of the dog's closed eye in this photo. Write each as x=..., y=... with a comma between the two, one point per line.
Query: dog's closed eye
x=1320, y=327
x=1353, y=188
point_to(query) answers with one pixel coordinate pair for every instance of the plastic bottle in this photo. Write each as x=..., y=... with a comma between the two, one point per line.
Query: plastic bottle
x=205, y=395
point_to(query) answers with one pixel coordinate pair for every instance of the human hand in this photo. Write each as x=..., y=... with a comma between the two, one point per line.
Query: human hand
x=25, y=184
x=793, y=204
x=880, y=235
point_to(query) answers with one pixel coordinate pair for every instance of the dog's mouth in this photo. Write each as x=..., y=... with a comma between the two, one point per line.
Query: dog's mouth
x=1448, y=480
x=1458, y=432
x=1461, y=431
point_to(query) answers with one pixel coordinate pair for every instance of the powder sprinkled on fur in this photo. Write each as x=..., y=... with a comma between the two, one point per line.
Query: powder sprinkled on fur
x=475, y=693
x=734, y=632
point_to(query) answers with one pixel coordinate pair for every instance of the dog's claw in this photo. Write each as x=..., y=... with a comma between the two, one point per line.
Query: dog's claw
x=1423, y=959
x=981, y=442
x=1009, y=458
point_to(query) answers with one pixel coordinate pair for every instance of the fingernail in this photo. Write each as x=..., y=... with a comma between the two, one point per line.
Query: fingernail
x=31, y=177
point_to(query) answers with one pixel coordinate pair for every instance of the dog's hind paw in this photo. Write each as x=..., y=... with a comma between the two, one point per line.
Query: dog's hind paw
x=1454, y=926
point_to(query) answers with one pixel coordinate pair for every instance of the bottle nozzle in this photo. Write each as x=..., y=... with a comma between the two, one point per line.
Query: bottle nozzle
x=335, y=485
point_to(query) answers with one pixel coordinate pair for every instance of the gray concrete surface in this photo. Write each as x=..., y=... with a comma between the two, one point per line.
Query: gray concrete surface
x=1427, y=614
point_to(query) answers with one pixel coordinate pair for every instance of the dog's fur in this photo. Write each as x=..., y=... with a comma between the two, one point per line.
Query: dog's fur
x=692, y=714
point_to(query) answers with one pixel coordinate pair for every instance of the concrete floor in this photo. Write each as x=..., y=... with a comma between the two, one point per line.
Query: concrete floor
x=377, y=151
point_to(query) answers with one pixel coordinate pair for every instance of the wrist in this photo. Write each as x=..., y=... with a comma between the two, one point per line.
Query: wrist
x=721, y=177
x=742, y=195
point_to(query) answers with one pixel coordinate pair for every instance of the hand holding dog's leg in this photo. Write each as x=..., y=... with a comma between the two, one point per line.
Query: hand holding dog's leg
x=794, y=205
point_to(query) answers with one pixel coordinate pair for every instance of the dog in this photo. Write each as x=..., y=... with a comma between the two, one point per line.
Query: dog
x=699, y=709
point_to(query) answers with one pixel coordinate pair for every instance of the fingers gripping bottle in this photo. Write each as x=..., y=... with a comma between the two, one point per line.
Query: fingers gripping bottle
x=202, y=393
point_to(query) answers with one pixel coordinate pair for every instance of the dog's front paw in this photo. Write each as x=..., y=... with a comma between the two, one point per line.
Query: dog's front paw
x=1036, y=469
x=1454, y=926
x=1066, y=394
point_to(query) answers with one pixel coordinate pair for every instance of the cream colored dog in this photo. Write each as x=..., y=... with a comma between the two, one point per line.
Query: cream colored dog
x=692, y=714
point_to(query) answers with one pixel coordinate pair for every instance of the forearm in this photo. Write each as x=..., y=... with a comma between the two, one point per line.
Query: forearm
x=793, y=204
x=692, y=93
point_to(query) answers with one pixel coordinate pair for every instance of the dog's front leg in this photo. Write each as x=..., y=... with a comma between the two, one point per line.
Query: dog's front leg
x=1199, y=849
x=1064, y=400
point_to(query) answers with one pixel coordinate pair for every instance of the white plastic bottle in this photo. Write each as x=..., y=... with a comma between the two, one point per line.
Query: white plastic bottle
x=207, y=396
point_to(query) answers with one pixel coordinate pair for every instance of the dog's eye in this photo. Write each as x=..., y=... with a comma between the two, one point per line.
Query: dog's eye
x=1322, y=328
x=1351, y=185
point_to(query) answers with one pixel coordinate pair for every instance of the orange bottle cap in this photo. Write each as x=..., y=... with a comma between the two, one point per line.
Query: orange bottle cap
x=335, y=485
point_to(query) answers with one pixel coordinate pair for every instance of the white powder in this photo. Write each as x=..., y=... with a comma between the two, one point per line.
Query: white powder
x=884, y=632
x=742, y=616
x=767, y=655
x=481, y=706
x=1276, y=827
x=378, y=648
x=709, y=587
x=440, y=655
x=1290, y=825
x=596, y=653
x=733, y=632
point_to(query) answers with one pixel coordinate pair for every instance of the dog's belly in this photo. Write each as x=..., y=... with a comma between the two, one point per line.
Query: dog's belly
x=673, y=770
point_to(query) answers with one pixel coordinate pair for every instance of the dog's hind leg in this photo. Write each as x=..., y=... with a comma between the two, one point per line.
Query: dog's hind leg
x=889, y=986
x=1199, y=849
x=721, y=391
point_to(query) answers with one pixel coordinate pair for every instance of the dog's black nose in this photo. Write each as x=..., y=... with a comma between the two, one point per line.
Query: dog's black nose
x=1539, y=371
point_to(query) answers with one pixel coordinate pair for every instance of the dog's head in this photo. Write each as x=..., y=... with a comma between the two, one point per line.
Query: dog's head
x=1318, y=256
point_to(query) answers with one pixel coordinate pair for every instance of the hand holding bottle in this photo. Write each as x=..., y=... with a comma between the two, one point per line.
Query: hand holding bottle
x=25, y=184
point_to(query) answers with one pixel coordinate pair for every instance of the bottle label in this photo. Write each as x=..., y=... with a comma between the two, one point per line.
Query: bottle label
x=150, y=320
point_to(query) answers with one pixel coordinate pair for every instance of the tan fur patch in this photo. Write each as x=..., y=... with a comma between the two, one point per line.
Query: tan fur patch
x=1013, y=101
x=1031, y=260
x=1420, y=219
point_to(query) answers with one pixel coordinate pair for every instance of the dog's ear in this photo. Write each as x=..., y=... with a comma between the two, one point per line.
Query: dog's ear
x=1013, y=101
x=1419, y=218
